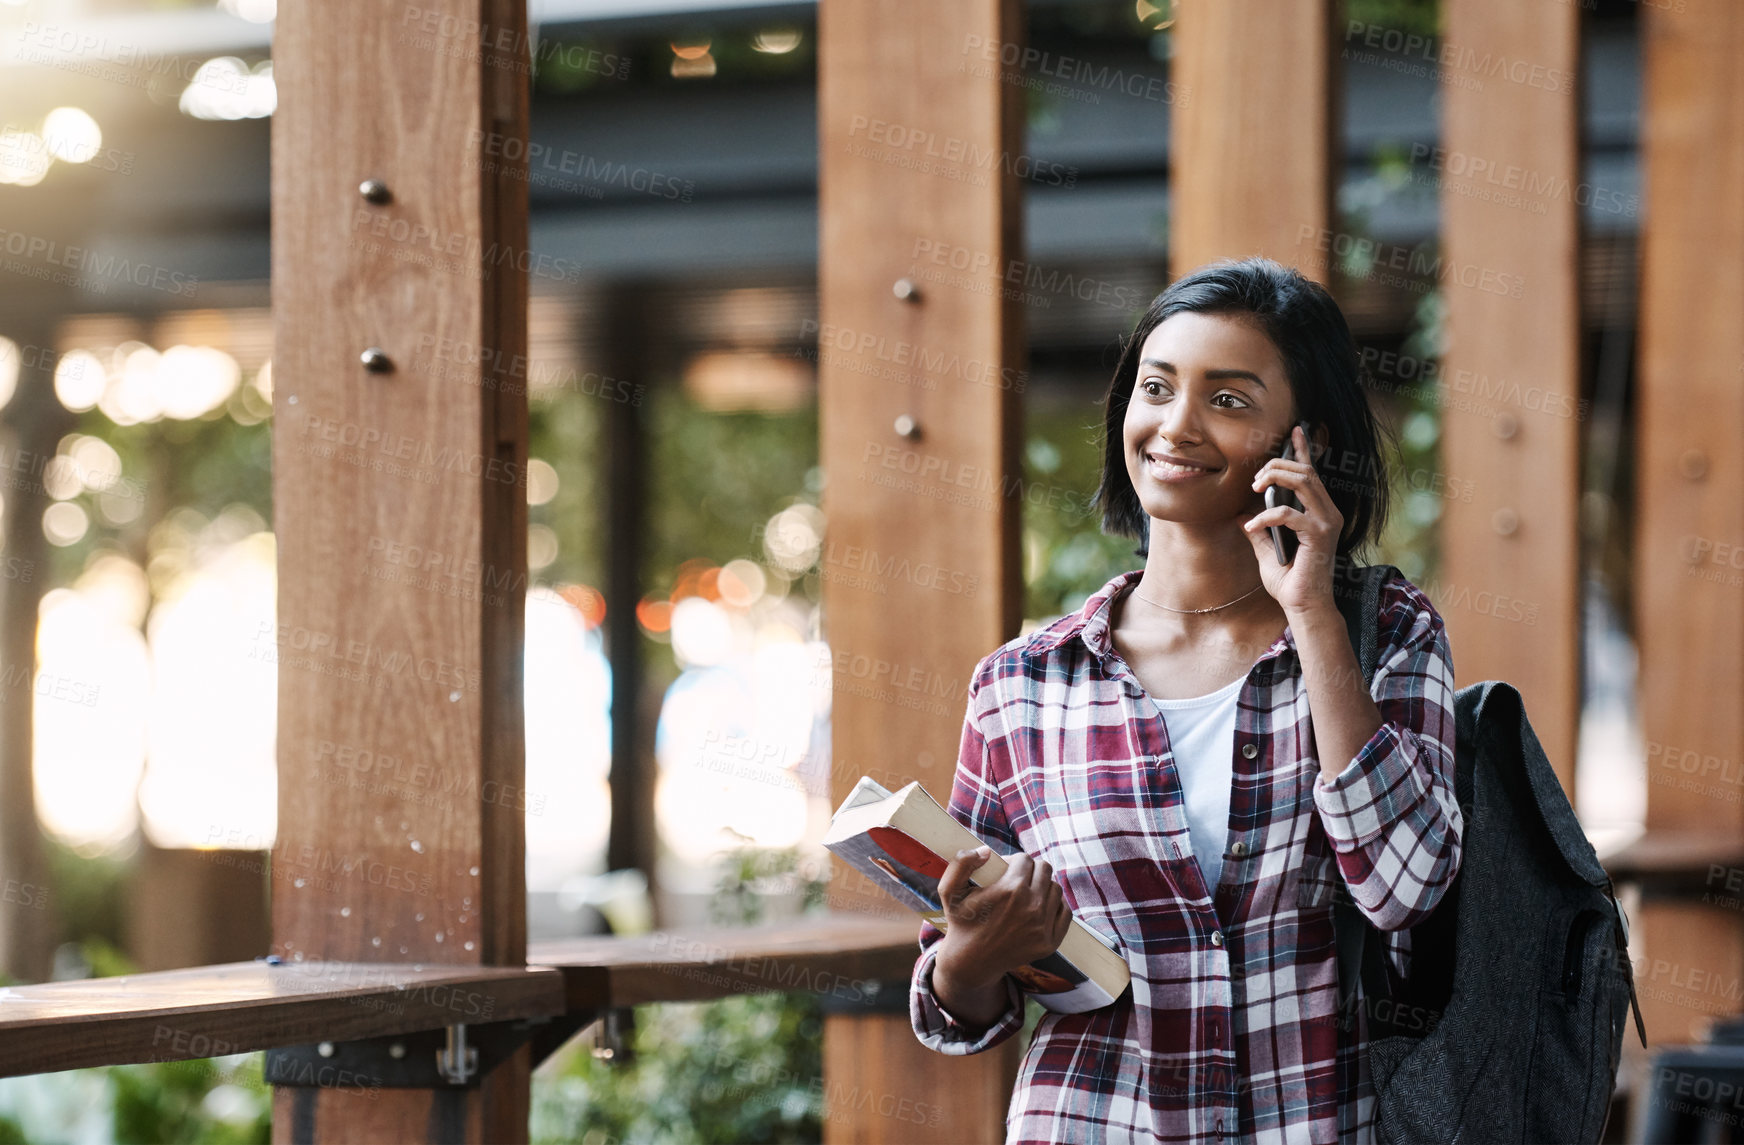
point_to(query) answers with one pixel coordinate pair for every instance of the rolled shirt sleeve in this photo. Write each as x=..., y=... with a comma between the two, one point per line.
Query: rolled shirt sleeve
x=975, y=803
x=1391, y=815
x=934, y=1025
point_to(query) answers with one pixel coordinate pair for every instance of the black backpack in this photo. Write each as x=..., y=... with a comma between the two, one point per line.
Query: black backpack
x=1510, y=1026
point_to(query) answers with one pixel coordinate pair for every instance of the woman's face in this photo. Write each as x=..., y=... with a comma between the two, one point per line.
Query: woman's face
x=1212, y=392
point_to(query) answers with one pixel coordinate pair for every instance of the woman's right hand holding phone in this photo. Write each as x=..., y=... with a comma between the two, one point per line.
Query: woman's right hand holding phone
x=991, y=930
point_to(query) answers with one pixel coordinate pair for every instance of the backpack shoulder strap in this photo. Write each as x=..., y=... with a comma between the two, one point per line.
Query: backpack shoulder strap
x=1358, y=595
x=1357, y=591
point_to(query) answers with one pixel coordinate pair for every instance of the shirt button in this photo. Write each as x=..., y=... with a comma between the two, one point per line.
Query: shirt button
x=1217, y=938
x=1249, y=750
x=1239, y=850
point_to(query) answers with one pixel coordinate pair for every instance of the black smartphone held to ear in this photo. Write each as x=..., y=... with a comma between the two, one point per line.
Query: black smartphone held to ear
x=1284, y=539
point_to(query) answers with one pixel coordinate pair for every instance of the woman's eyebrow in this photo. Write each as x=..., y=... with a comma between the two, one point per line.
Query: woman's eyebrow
x=1214, y=375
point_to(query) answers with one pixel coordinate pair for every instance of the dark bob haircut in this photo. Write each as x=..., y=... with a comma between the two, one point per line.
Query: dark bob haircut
x=1326, y=377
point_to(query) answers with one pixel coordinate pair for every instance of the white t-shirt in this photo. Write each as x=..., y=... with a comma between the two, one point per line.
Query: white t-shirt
x=1202, y=738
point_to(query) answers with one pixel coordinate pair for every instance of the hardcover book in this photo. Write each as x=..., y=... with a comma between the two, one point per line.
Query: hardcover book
x=900, y=840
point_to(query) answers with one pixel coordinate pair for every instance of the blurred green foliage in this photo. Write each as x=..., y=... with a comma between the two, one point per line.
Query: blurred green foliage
x=564, y=432
x=90, y=894
x=1416, y=17
x=742, y=1069
x=717, y=477
x=200, y=1102
x=205, y=464
x=1066, y=555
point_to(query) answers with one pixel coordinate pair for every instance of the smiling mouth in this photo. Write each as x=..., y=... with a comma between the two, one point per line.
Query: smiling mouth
x=1169, y=470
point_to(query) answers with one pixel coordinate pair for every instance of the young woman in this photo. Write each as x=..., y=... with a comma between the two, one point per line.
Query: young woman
x=1192, y=763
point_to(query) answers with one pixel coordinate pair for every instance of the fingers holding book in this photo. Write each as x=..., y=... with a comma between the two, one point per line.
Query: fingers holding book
x=1016, y=919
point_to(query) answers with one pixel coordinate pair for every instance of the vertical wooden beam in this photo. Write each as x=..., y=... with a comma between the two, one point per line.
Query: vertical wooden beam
x=1511, y=423
x=1690, y=467
x=33, y=422
x=1254, y=157
x=630, y=842
x=386, y=656
x=920, y=151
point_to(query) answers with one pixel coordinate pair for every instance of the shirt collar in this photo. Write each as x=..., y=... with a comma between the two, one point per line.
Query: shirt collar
x=1091, y=624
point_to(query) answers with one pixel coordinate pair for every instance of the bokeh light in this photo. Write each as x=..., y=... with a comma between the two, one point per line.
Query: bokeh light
x=65, y=523
x=541, y=546
x=79, y=380
x=542, y=481
x=92, y=689
x=568, y=698
x=71, y=135
x=11, y=359
x=776, y=41
x=227, y=88
x=210, y=776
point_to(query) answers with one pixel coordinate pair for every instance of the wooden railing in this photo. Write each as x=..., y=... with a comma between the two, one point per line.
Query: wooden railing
x=241, y=1007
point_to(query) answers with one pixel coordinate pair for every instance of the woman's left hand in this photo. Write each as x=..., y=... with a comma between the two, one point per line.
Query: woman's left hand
x=1306, y=582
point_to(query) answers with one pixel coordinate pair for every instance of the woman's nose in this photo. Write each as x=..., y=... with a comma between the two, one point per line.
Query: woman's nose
x=1178, y=421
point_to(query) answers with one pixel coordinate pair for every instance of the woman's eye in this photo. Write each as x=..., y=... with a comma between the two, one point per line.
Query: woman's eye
x=1156, y=389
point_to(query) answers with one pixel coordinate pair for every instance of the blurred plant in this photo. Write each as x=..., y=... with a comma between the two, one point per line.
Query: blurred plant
x=747, y=1068
x=215, y=1101
x=201, y=1102
x=1412, y=539
x=1415, y=17
x=752, y=874
x=1066, y=555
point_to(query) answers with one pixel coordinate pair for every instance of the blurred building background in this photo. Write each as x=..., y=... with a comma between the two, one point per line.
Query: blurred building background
x=677, y=663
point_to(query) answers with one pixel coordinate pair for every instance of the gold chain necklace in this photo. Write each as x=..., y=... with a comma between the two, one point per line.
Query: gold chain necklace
x=1237, y=600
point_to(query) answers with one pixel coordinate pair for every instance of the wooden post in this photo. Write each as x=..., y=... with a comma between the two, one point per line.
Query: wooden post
x=920, y=149
x=631, y=839
x=400, y=509
x=1689, y=591
x=34, y=422
x=1511, y=413
x=1254, y=156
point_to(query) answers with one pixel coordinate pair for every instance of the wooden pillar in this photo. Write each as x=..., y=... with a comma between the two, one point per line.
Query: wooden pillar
x=1254, y=158
x=1689, y=466
x=1511, y=414
x=383, y=655
x=920, y=151
x=631, y=840
x=33, y=422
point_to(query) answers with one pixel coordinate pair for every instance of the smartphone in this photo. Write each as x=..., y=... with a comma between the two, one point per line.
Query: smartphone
x=1284, y=538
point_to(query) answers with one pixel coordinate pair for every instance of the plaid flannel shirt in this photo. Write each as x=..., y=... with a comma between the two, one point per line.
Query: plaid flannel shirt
x=1230, y=1026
